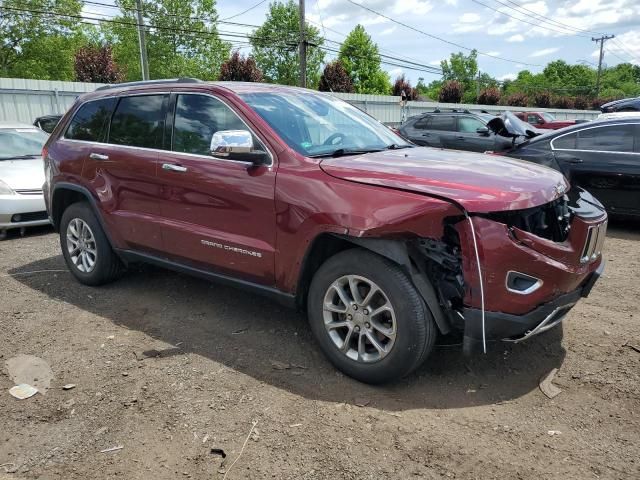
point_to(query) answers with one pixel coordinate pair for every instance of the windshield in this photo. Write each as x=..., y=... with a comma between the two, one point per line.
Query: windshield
x=317, y=124
x=21, y=142
x=548, y=117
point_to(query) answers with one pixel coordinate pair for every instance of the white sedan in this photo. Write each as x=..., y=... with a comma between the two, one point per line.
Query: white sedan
x=21, y=177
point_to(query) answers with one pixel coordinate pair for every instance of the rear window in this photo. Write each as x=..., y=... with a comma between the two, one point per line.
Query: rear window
x=139, y=121
x=90, y=121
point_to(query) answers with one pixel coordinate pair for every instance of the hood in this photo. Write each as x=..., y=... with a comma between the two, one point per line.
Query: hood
x=480, y=183
x=22, y=174
x=508, y=125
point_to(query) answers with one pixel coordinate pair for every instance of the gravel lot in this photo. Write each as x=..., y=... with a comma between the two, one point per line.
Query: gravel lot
x=169, y=367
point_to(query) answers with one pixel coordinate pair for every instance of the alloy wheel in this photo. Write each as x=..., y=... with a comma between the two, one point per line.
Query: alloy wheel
x=81, y=245
x=359, y=318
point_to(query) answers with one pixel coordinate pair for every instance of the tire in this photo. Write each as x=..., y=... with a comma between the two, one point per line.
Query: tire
x=100, y=267
x=415, y=329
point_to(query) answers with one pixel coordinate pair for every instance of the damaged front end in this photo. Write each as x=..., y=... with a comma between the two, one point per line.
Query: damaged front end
x=534, y=264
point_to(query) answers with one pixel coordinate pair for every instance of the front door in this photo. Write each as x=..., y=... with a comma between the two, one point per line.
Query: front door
x=468, y=137
x=219, y=214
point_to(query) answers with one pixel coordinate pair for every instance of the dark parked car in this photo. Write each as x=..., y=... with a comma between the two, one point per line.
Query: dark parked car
x=624, y=105
x=602, y=156
x=47, y=122
x=298, y=195
x=461, y=130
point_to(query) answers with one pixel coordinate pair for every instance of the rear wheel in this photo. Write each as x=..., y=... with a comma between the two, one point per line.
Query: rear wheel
x=85, y=246
x=368, y=317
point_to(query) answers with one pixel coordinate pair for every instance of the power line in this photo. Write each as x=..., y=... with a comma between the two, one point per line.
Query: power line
x=520, y=62
x=245, y=11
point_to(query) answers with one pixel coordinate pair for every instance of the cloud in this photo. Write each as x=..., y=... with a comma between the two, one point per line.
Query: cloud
x=624, y=47
x=508, y=76
x=544, y=52
x=516, y=38
x=388, y=31
x=395, y=73
x=469, y=18
x=468, y=22
x=493, y=53
x=435, y=62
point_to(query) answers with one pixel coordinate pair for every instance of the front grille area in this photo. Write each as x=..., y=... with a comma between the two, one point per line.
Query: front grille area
x=32, y=191
x=594, y=242
x=29, y=217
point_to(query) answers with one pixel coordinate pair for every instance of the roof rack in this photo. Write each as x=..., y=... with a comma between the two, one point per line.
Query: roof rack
x=150, y=82
x=451, y=110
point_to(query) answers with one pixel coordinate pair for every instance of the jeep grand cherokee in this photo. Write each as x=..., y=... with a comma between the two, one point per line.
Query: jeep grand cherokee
x=298, y=195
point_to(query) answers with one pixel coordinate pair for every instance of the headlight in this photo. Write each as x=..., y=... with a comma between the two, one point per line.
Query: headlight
x=5, y=190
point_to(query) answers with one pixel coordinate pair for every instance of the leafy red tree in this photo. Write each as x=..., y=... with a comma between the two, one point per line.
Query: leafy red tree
x=96, y=64
x=335, y=78
x=451, y=92
x=489, y=96
x=596, y=103
x=542, y=99
x=239, y=68
x=516, y=100
x=401, y=84
x=563, y=102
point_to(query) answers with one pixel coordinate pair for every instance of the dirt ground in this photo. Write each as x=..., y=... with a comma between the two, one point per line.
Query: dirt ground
x=169, y=367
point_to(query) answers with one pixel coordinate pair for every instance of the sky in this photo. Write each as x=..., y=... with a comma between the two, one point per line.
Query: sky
x=510, y=35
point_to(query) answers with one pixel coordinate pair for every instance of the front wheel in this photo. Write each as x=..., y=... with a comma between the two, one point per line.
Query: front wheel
x=368, y=317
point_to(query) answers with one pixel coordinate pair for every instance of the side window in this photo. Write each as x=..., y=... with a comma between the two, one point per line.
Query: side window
x=422, y=124
x=90, y=121
x=469, y=124
x=614, y=138
x=533, y=119
x=197, y=118
x=442, y=122
x=138, y=121
x=565, y=142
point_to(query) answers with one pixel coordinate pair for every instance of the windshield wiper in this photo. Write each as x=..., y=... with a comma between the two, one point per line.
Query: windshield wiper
x=20, y=157
x=345, y=151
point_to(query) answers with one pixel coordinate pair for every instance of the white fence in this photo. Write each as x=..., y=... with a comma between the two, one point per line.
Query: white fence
x=23, y=100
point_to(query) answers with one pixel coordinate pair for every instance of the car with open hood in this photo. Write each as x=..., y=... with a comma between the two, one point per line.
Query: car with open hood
x=465, y=130
x=298, y=195
x=21, y=177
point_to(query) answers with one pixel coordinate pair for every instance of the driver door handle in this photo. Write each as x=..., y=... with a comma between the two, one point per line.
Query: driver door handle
x=172, y=167
x=98, y=156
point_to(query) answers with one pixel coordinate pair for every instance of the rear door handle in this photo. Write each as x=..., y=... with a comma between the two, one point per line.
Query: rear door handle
x=98, y=156
x=426, y=134
x=575, y=160
x=173, y=167
x=460, y=137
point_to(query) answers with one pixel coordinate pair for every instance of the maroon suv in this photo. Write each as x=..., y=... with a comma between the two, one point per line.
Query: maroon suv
x=298, y=195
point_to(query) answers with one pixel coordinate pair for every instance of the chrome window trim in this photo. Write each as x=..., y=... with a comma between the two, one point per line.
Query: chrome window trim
x=577, y=131
x=226, y=104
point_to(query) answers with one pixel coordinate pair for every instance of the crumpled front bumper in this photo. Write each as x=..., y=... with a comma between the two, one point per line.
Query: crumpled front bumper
x=516, y=328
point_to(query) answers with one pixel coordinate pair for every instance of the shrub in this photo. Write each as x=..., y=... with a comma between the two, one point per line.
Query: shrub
x=240, y=69
x=562, y=101
x=581, y=103
x=599, y=101
x=489, y=96
x=451, y=92
x=542, y=99
x=516, y=100
x=96, y=64
x=335, y=78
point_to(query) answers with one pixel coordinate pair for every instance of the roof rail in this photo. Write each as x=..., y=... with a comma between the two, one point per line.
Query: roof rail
x=150, y=82
x=451, y=110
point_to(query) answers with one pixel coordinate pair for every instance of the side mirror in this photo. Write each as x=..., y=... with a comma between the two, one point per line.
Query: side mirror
x=236, y=145
x=482, y=130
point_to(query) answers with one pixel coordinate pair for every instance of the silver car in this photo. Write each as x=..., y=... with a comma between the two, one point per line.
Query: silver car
x=21, y=177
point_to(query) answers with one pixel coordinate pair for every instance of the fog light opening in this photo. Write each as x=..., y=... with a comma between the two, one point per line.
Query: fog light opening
x=521, y=283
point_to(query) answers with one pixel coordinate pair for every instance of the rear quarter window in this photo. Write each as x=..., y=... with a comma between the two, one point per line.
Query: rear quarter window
x=90, y=121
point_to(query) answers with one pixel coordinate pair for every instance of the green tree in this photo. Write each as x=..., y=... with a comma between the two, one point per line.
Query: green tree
x=38, y=45
x=464, y=69
x=361, y=59
x=182, y=39
x=275, y=46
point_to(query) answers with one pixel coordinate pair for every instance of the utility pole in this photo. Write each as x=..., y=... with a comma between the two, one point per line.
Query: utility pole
x=478, y=86
x=144, y=63
x=303, y=47
x=602, y=39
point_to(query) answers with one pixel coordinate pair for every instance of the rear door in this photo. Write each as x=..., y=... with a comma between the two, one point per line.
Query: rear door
x=442, y=131
x=417, y=132
x=123, y=170
x=606, y=161
x=468, y=137
x=219, y=214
